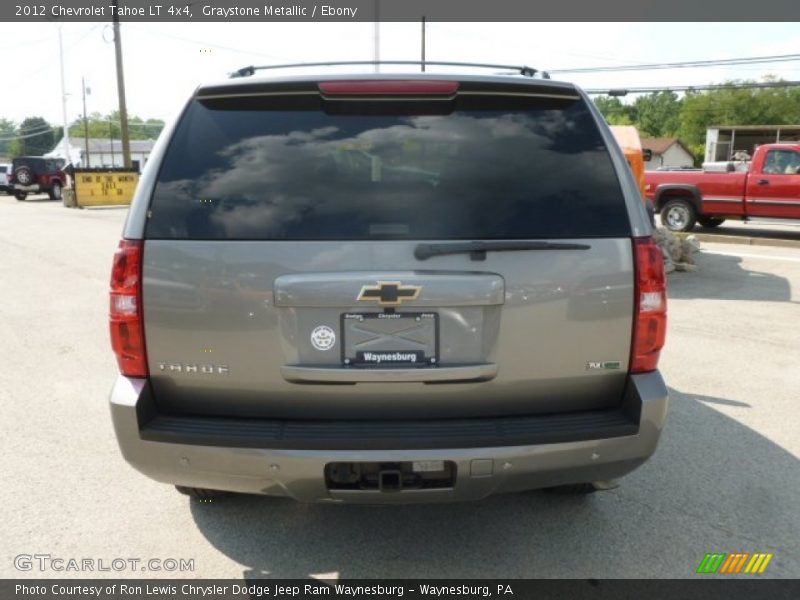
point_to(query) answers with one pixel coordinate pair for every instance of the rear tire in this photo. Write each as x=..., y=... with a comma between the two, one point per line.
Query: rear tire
x=55, y=191
x=678, y=214
x=710, y=222
x=20, y=195
x=201, y=494
x=24, y=175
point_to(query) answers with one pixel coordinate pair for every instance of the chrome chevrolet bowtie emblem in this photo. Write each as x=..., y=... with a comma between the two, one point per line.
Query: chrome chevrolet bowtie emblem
x=389, y=293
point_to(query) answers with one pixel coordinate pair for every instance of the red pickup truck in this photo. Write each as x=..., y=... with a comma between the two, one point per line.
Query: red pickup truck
x=766, y=187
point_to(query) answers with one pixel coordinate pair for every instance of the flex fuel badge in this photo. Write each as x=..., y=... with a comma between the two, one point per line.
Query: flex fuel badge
x=323, y=338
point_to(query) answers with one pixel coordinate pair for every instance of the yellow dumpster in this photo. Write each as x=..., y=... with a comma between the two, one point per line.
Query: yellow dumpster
x=628, y=139
x=103, y=187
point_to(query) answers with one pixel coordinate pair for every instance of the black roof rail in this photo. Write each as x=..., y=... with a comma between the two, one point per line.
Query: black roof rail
x=521, y=69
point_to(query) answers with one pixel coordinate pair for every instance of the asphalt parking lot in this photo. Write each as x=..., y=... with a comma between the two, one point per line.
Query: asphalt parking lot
x=764, y=232
x=726, y=477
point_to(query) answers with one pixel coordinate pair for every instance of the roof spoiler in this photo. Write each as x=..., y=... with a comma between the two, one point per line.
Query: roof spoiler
x=523, y=70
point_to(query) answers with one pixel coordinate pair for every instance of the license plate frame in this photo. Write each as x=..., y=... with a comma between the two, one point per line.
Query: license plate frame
x=426, y=355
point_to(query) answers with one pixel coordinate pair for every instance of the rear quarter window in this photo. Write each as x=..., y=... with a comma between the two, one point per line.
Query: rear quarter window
x=33, y=163
x=484, y=168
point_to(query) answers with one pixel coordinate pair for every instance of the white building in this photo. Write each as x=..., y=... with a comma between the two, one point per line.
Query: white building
x=667, y=152
x=102, y=153
x=60, y=151
x=723, y=141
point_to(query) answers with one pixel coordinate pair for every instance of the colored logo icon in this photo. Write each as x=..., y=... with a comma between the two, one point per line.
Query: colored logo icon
x=735, y=563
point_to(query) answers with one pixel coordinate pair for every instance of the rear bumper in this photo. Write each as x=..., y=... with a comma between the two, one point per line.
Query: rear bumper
x=260, y=459
x=30, y=189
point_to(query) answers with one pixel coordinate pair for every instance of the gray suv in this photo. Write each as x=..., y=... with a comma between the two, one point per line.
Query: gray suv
x=387, y=288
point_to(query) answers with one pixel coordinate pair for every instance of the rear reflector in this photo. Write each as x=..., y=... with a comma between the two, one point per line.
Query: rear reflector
x=126, y=320
x=650, y=324
x=389, y=88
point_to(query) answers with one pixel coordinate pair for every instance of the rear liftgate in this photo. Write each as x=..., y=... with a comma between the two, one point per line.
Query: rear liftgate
x=445, y=335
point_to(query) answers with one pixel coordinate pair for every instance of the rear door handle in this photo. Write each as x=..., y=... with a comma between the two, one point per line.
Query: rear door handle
x=763, y=182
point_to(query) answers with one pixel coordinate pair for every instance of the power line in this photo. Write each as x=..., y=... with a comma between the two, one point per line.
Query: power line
x=693, y=88
x=78, y=123
x=132, y=123
x=31, y=132
x=33, y=128
x=30, y=135
x=48, y=65
x=752, y=60
x=26, y=43
x=204, y=44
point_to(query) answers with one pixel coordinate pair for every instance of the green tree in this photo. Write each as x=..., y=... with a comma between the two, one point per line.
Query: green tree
x=658, y=114
x=35, y=137
x=736, y=106
x=615, y=111
x=7, y=131
x=107, y=126
x=97, y=128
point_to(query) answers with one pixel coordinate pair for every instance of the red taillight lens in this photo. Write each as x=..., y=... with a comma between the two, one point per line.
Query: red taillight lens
x=389, y=88
x=127, y=323
x=650, y=324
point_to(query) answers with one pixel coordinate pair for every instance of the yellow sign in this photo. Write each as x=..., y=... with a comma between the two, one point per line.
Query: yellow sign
x=114, y=188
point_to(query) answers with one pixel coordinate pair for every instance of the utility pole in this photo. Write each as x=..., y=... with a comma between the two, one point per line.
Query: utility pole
x=123, y=111
x=423, y=43
x=111, y=139
x=376, y=36
x=85, y=125
x=65, y=139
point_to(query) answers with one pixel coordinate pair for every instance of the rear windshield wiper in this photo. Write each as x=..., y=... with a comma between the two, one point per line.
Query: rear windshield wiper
x=478, y=250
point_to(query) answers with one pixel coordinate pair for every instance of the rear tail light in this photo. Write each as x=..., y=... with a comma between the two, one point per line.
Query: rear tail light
x=650, y=323
x=423, y=87
x=126, y=319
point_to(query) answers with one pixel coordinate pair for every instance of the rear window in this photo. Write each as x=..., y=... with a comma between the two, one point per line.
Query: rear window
x=31, y=162
x=481, y=168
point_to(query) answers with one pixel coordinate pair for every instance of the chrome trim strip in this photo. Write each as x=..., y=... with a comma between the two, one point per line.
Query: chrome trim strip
x=297, y=374
x=777, y=202
x=252, y=94
x=530, y=94
x=728, y=199
x=387, y=98
x=341, y=289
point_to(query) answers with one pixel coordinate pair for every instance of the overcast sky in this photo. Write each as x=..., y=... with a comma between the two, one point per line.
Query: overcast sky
x=165, y=62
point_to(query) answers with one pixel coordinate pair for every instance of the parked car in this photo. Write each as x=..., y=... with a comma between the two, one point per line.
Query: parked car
x=387, y=288
x=5, y=187
x=37, y=175
x=767, y=187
